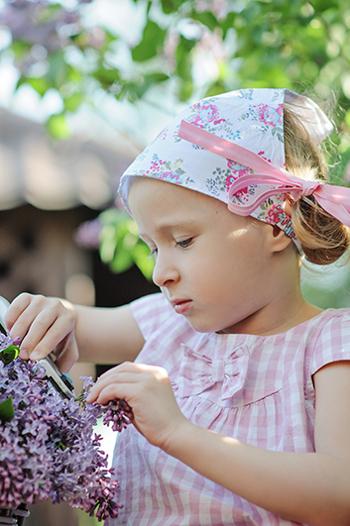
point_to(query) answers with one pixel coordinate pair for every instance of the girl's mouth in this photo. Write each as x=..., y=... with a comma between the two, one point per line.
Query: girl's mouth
x=183, y=306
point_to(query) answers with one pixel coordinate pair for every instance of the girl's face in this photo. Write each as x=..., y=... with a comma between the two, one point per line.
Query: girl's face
x=216, y=260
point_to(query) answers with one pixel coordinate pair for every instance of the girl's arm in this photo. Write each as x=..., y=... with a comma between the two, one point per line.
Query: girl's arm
x=102, y=335
x=107, y=335
x=312, y=488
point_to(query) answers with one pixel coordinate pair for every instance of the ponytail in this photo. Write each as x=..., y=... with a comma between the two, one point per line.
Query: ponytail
x=323, y=238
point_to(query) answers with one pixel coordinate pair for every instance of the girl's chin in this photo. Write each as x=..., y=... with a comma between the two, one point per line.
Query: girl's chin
x=203, y=326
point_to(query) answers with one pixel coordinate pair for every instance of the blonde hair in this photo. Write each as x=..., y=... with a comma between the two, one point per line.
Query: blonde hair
x=323, y=238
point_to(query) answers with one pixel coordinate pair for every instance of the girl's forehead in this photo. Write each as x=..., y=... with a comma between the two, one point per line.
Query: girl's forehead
x=164, y=206
x=146, y=190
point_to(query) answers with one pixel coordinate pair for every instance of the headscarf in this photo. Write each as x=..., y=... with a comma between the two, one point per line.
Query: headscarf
x=231, y=147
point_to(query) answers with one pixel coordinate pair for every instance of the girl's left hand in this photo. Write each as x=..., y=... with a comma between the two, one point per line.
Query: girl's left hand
x=148, y=391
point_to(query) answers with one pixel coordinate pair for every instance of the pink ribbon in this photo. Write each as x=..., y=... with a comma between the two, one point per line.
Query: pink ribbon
x=334, y=199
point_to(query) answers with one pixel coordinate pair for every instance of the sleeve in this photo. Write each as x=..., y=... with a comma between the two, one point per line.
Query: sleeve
x=150, y=312
x=332, y=343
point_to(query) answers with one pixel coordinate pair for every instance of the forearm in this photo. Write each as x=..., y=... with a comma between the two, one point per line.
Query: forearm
x=311, y=488
x=106, y=335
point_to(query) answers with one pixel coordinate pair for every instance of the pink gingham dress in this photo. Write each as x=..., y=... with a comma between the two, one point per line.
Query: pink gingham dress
x=257, y=389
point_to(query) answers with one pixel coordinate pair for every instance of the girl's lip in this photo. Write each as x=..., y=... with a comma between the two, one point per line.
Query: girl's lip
x=182, y=307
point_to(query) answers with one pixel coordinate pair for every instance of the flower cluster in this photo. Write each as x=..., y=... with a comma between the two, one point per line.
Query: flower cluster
x=48, y=449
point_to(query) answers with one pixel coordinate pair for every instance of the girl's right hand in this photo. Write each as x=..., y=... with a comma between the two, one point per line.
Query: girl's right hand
x=44, y=324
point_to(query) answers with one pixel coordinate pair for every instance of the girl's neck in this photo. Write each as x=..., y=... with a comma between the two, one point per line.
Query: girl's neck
x=275, y=318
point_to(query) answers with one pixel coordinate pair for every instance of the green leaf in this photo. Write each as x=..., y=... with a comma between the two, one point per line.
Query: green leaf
x=347, y=118
x=72, y=102
x=113, y=216
x=206, y=18
x=107, y=243
x=184, y=58
x=120, y=245
x=171, y=6
x=118, y=235
x=143, y=259
x=228, y=23
x=152, y=40
x=57, y=126
x=106, y=76
x=39, y=84
x=122, y=261
x=9, y=354
x=7, y=411
x=20, y=48
x=156, y=77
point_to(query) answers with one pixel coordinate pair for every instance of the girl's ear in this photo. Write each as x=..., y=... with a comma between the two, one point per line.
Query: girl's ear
x=277, y=239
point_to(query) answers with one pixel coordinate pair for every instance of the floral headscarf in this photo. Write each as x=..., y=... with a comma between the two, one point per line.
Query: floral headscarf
x=251, y=119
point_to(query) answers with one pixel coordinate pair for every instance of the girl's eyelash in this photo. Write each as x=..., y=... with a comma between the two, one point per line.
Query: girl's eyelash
x=183, y=244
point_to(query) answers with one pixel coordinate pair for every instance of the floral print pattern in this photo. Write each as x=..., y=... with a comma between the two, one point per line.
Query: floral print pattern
x=171, y=171
x=272, y=212
x=252, y=118
x=206, y=114
x=270, y=118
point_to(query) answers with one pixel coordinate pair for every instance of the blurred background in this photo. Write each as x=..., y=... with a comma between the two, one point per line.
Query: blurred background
x=86, y=84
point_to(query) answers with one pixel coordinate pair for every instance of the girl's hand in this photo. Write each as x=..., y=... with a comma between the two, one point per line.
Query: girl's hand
x=148, y=391
x=44, y=325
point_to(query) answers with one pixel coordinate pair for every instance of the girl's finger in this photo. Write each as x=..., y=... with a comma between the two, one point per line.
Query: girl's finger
x=125, y=366
x=115, y=379
x=53, y=336
x=17, y=307
x=23, y=323
x=36, y=329
x=19, y=304
x=117, y=391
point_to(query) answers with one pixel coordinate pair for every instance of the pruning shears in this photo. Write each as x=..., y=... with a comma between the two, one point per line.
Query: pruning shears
x=60, y=381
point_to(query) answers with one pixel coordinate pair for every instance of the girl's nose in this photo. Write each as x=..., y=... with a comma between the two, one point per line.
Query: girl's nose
x=164, y=272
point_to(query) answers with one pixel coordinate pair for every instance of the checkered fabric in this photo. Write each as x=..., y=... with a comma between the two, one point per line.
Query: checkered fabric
x=257, y=389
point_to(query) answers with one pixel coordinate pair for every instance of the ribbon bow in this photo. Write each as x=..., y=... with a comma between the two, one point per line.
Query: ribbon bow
x=332, y=198
x=226, y=376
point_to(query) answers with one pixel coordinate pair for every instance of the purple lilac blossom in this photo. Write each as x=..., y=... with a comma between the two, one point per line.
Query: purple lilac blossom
x=48, y=450
x=87, y=235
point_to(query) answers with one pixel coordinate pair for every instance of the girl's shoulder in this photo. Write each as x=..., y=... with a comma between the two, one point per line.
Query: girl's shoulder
x=330, y=340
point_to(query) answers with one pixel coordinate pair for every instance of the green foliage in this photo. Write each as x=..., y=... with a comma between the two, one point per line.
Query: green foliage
x=255, y=43
x=7, y=411
x=151, y=42
x=303, y=45
x=9, y=354
x=57, y=126
x=120, y=246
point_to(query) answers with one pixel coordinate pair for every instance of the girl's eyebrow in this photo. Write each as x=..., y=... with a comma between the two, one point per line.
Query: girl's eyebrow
x=166, y=227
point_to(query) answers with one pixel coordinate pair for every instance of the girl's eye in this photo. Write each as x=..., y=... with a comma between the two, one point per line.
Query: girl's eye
x=152, y=252
x=185, y=243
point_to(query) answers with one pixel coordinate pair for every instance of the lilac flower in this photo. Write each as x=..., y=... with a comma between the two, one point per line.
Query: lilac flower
x=48, y=449
x=88, y=233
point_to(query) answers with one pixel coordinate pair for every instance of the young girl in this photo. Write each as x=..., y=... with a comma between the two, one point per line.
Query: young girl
x=240, y=388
